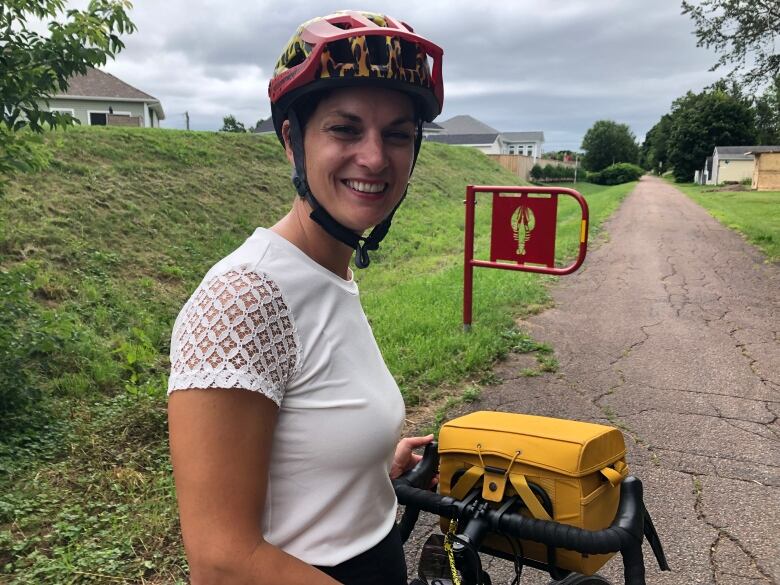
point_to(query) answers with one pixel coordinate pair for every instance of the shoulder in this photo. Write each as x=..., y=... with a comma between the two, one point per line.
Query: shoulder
x=236, y=331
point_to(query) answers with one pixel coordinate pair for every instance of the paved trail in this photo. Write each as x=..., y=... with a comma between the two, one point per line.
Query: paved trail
x=672, y=330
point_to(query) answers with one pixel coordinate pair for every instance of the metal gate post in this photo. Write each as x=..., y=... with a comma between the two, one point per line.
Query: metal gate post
x=468, y=267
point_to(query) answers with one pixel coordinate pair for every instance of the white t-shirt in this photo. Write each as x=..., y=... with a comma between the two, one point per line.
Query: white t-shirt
x=268, y=318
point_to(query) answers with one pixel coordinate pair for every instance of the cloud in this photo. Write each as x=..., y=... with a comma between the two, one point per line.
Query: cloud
x=531, y=65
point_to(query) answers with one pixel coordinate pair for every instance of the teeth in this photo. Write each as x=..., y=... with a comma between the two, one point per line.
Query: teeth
x=365, y=187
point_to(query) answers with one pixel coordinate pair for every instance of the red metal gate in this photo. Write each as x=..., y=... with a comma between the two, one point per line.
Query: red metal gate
x=524, y=223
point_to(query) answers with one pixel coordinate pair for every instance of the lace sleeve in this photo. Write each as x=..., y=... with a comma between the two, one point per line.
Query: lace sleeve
x=235, y=332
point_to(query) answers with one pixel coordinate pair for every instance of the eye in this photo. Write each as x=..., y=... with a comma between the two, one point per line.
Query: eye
x=345, y=130
x=399, y=136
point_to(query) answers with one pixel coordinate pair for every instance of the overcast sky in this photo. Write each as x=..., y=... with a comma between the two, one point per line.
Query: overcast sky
x=556, y=66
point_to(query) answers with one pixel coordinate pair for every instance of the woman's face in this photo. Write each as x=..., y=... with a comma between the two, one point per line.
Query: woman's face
x=359, y=145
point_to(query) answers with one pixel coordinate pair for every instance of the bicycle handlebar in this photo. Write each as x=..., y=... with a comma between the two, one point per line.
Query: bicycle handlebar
x=625, y=535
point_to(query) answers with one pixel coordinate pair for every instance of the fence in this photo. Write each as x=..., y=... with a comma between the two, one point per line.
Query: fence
x=119, y=120
x=521, y=165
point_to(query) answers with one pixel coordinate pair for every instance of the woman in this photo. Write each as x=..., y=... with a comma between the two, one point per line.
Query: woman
x=286, y=438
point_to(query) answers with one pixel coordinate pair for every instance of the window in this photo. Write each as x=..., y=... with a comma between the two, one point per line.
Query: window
x=97, y=119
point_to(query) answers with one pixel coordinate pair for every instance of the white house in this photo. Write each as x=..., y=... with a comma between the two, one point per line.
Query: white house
x=100, y=99
x=525, y=143
x=466, y=130
x=731, y=164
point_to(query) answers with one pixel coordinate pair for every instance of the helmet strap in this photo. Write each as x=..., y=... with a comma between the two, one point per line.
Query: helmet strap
x=361, y=245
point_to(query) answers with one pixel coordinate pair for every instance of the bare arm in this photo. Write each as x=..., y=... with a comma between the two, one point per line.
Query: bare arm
x=220, y=448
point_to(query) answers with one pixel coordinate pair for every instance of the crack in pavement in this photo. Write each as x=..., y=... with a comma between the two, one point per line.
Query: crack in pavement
x=714, y=458
x=721, y=534
x=704, y=393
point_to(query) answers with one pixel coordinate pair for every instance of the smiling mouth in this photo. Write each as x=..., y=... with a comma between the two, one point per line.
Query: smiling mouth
x=363, y=187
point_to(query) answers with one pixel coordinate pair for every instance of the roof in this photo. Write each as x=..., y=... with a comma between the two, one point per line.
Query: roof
x=466, y=124
x=522, y=136
x=764, y=149
x=98, y=84
x=737, y=152
x=265, y=127
x=463, y=138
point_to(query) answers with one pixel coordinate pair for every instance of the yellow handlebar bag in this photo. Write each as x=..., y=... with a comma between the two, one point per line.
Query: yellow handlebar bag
x=562, y=470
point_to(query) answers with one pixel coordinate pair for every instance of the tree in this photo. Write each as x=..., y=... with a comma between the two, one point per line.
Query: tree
x=230, y=124
x=744, y=32
x=767, y=108
x=606, y=143
x=34, y=67
x=654, y=153
x=702, y=121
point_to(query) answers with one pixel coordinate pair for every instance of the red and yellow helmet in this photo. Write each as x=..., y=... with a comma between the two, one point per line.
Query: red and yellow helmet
x=357, y=48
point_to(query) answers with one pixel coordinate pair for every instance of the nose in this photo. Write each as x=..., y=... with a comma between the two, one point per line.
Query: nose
x=372, y=153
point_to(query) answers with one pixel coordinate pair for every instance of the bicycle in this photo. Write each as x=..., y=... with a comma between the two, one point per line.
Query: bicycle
x=454, y=558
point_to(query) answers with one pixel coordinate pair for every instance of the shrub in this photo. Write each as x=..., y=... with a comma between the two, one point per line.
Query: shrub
x=617, y=174
x=16, y=306
x=536, y=172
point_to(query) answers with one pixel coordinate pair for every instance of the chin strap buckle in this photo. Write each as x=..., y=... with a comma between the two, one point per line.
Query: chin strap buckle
x=361, y=256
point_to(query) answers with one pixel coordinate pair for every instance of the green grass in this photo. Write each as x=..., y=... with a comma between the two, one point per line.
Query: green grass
x=754, y=214
x=98, y=253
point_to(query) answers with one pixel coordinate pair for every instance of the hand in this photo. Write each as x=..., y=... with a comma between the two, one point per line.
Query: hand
x=405, y=458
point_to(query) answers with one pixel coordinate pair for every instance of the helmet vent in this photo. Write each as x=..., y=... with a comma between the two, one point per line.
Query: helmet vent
x=340, y=51
x=409, y=54
x=377, y=50
x=296, y=59
x=342, y=25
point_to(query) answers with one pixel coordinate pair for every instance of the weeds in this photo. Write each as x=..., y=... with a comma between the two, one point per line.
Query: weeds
x=96, y=259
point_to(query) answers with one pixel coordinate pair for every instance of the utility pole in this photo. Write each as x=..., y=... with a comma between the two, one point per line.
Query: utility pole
x=187, y=118
x=576, y=165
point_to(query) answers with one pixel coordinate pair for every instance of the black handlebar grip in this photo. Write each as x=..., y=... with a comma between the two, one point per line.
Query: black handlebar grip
x=419, y=477
x=633, y=565
x=425, y=500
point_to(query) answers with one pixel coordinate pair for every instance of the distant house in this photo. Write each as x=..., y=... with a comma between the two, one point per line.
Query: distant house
x=466, y=130
x=766, y=171
x=525, y=143
x=430, y=128
x=264, y=127
x=100, y=99
x=731, y=164
x=487, y=143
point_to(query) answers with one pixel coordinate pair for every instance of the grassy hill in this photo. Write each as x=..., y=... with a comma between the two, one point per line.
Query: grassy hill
x=97, y=254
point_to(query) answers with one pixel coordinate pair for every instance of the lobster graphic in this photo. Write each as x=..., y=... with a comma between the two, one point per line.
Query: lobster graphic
x=523, y=223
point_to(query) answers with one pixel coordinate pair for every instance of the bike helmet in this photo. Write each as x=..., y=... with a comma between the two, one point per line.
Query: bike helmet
x=352, y=48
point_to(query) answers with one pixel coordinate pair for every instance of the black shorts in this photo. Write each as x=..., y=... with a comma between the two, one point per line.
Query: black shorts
x=383, y=564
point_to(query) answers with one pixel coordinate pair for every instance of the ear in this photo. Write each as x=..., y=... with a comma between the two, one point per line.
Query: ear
x=287, y=144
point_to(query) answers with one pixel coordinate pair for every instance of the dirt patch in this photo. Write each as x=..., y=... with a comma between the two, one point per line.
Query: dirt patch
x=732, y=187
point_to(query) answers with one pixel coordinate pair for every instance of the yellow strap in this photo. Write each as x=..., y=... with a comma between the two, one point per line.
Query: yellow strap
x=616, y=475
x=448, y=538
x=529, y=498
x=466, y=482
